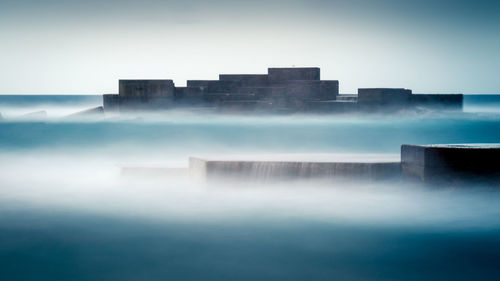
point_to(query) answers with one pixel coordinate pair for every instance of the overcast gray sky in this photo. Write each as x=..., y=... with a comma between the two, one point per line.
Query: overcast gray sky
x=84, y=47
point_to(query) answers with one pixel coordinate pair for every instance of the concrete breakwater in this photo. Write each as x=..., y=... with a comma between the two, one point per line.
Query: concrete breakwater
x=281, y=90
x=209, y=170
x=439, y=165
x=452, y=163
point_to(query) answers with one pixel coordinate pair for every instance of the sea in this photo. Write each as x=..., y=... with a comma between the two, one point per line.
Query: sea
x=69, y=212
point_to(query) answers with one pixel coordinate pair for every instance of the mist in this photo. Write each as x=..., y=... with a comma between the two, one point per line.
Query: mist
x=114, y=192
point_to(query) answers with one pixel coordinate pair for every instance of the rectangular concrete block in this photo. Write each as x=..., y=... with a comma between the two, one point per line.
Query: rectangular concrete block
x=146, y=89
x=250, y=170
x=282, y=75
x=111, y=102
x=247, y=80
x=448, y=164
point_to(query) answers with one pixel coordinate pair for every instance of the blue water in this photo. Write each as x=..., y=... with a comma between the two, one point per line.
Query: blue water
x=66, y=213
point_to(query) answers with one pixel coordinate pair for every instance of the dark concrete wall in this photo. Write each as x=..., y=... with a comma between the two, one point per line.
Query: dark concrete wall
x=329, y=89
x=247, y=80
x=384, y=99
x=111, y=102
x=303, y=89
x=439, y=101
x=449, y=164
x=146, y=89
x=215, y=86
x=281, y=75
x=189, y=96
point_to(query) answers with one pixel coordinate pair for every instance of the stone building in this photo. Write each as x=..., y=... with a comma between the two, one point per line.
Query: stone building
x=280, y=90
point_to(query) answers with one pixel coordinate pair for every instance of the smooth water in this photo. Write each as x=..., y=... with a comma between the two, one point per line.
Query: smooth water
x=67, y=212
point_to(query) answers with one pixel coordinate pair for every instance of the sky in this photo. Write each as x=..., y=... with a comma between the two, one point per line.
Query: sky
x=84, y=47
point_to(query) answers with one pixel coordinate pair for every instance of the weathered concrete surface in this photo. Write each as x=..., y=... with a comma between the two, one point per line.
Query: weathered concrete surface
x=347, y=97
x=146, y=89
x=286, y=168
x=303, y=89
x=189, y=95
x=282, y=75
x=247, y=80
x=450, y=164
x=438, y=101
x=138, y=104
x=215, y=86
x=384, y=99
x=287, y=90
x=221, y=97
x=329, y=89
x=111, y=102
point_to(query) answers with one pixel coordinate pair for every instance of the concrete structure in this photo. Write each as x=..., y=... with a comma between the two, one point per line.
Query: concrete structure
x=444, y=165
x=280, y=90
x=293, y=167
x=452, y=164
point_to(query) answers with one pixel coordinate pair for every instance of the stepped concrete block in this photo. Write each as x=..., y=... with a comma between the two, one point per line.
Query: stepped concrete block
x=146, y=89
x=290, y=168
x=247, y=80
x=282, y=75
x=449, y=164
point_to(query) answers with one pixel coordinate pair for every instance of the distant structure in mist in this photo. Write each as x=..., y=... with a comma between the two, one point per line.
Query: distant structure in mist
x=281, y=90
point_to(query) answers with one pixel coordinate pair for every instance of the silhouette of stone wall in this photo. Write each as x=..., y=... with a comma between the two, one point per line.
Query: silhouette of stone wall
x=280, y=90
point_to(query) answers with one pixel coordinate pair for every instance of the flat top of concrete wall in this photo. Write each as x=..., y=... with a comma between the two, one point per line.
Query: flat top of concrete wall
x=453, y=94
x=145, y=80
x=288, y=68
x=379, y=89
x=309, y=158
x=460, y=146
x=243, y=75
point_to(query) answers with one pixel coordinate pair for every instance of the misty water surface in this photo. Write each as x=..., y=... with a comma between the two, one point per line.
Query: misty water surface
x=67, y=211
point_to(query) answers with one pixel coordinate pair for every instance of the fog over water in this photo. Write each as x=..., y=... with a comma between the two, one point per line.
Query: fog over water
x=69, y=212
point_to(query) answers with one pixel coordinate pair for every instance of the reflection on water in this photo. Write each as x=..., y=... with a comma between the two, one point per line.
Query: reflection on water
x=67, y=212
